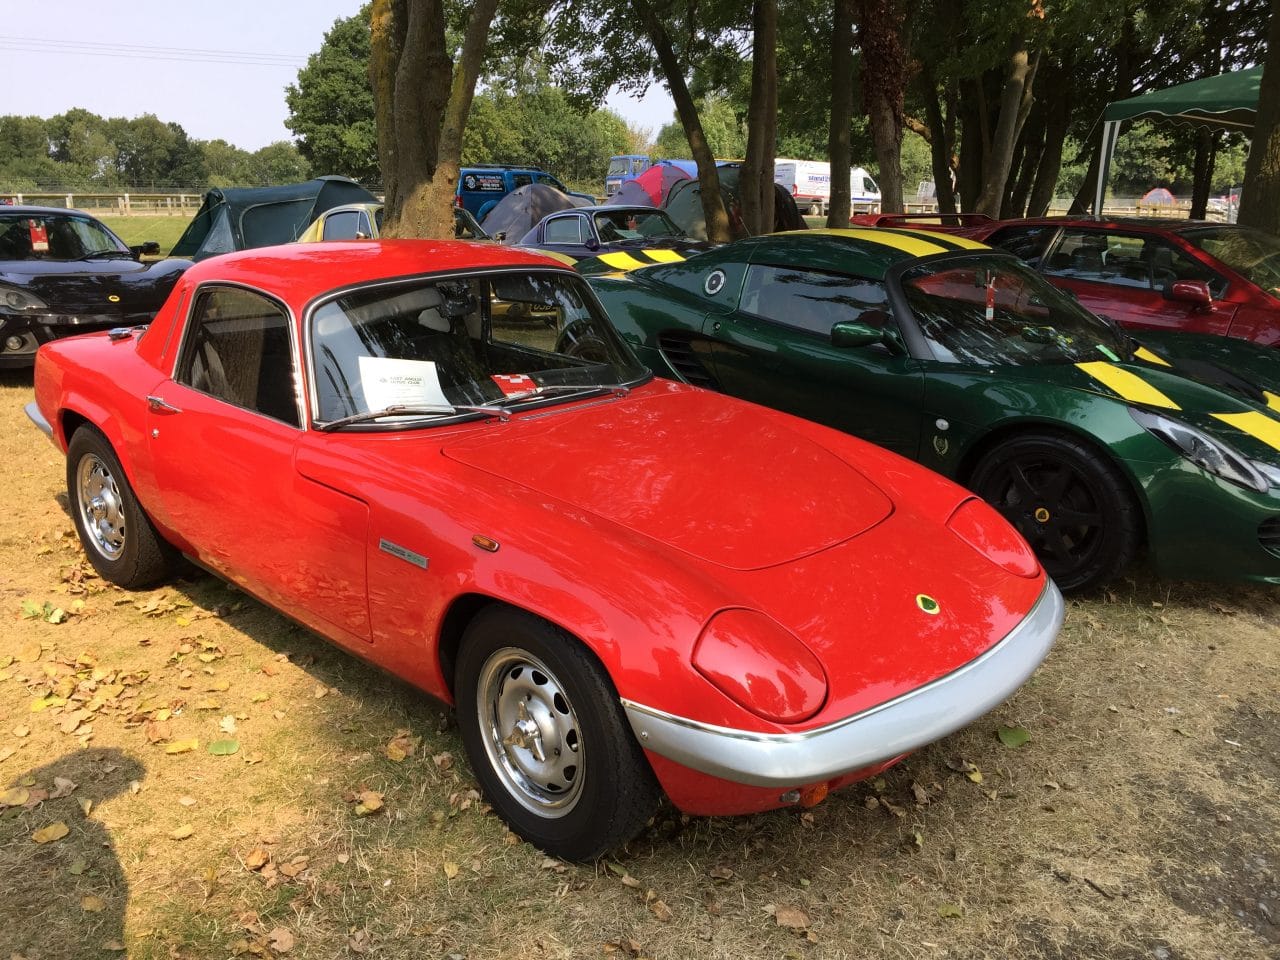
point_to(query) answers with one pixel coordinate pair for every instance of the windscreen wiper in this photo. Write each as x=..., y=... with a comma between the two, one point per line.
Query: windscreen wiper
x=413, y=410
x=545, y=389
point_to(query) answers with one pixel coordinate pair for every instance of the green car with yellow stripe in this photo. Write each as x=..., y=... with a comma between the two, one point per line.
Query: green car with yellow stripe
x=1097, y=447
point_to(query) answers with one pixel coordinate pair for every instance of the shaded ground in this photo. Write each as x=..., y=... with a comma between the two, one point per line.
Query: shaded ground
x=1140, y=821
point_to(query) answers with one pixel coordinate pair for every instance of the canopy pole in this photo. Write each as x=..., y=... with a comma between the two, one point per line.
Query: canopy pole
x=1110, y=133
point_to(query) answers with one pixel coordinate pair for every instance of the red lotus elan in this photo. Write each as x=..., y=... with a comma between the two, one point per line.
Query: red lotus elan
x=442, y=458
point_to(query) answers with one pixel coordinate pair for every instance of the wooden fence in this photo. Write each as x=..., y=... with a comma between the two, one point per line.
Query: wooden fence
x=114, y=204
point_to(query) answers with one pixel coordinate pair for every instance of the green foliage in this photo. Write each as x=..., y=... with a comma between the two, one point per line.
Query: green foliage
x=725, y=129
x=331, y=104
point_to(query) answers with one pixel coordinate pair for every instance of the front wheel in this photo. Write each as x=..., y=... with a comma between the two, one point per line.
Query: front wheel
x=116, y=534
x=1070, y=503
x=547, y=739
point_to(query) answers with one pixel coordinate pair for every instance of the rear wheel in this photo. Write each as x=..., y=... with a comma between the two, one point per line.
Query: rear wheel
x=1070, y=503
x=117, y=536
x=547, y=737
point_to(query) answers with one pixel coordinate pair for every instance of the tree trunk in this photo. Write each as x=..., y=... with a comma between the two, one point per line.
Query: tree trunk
x=1057, y=120
x=1202, y=177
x=1012, y=110
x=939, y=145
x=422, y=100
x=762, y=112
x=972, y=154
x=884, y=80
x=713, y=210
x=1026, y=155
x=1123, y=89
x=839, y=147
x=1260, y=199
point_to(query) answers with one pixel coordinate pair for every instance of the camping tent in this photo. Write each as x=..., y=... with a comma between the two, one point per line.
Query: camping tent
x=238, y=219
x=1225, y=102
x=515, y=214
x=652, y=187
x=684, y=205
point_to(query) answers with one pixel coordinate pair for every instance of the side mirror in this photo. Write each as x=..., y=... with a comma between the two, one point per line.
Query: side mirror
x=592, y=243
x=1195, y=292
x=853, y=333
x=149, y=249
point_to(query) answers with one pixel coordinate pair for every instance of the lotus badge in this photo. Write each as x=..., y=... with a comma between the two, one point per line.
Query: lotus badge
x=928, y=604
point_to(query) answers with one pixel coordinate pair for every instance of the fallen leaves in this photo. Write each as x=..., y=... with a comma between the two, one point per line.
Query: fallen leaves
x=52, y=833
x=92, y=904
x=183, y=746
x=367, y=802
x=791, y=917
x=402, y=745
x=223, y=748
x=182, y=832
x=15, y=797
x=281, y=940
x=1013, y=737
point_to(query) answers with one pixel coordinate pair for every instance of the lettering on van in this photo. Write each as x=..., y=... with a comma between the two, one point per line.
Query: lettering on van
x=484, y=182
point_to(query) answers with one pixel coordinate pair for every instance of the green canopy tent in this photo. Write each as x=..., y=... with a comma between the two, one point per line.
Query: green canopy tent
x=241, y=218
x=1225, y=102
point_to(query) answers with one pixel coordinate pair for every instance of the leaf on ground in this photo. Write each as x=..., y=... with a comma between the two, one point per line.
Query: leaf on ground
x=182, y=832
x=218, y=686
x=257, y=858
x=29, y=652
x=721, y=873
x=92, y=904
x=260, y=698
x=182, y=746
x=188, y=801
x=14, y=797
x=1013, y=737
x=73, y=720
x=85, y=805
x=295, y=867
x=157, y=732
x=950, y=910
x=208, y=703
x=224, y=748
x=51, y=833
x=401, y=746
x=227, y=724
x=369, y=802
x=30, y=610
x=791, y=917
x=660, y=910
x=975, y=775
x=115, y=946
x=78, y=866
x=450, y=869
x=22, y=730
x=62, y=787
x=281, y=940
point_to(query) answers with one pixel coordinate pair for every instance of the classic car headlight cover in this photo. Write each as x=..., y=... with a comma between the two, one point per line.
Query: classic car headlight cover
x=978, y=524
x=1208, y=453
x=760, y=665
x=13, y=300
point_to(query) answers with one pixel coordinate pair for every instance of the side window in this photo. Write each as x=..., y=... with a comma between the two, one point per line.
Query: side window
x=1025, y=243
x=238, y=350
x=366, y=231
x=341, y=226
x=807, y=299
x=564, y=230
x=1126, y=260
x=519, y=180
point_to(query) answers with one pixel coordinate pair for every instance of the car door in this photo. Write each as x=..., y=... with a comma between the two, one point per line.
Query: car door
x=566, y=234
x=775, y=349
x=224, y=432
x=1129, y=277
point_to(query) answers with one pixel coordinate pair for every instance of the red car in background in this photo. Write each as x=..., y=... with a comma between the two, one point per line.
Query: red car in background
x=1187, y=276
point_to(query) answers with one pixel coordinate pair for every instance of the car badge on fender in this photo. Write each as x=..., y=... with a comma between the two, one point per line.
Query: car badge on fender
x=928, y=604
x=114, y=298
x=715, y=283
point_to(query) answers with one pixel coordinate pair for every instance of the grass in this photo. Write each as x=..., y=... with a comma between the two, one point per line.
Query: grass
x=135, y=230
x=1140, y=820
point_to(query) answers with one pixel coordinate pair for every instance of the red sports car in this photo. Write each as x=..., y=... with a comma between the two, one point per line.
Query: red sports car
x=1158, y=274
x=625, y=585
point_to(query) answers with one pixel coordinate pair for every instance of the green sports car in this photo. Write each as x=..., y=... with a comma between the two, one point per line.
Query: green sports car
x=1094, y=445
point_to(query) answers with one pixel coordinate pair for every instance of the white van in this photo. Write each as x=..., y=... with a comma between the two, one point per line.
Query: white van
x=809, y=181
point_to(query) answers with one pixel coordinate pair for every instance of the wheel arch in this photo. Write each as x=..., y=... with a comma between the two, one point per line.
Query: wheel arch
x=980, y=446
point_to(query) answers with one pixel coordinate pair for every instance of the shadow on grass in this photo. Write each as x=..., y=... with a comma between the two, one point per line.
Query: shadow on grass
x=65, y=892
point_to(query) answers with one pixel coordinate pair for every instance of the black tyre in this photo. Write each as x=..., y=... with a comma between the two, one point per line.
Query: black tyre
x=578, y=340
x=1070, y=503
x=547, y=738
x=116, y=534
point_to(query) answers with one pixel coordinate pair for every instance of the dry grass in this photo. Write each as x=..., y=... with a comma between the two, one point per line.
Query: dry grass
x=1140, y=821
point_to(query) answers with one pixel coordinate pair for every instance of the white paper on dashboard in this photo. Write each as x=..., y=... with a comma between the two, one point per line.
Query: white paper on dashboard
x=389, y=382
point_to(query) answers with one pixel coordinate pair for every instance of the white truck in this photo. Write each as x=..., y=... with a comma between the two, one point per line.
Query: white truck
x=809, y=181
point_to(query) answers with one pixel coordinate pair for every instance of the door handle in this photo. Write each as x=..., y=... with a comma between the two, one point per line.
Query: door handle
x=160, y=405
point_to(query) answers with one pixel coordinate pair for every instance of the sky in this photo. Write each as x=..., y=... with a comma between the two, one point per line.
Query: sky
x=218, y=69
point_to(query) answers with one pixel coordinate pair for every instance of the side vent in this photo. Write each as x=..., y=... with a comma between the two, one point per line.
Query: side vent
x=686, y=355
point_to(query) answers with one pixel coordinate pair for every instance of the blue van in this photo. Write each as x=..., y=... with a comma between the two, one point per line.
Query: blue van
x=482, y=185
x=624, y=167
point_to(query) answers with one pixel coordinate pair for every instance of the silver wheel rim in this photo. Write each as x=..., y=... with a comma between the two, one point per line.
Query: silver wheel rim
x=530, y=732
x=101, y=507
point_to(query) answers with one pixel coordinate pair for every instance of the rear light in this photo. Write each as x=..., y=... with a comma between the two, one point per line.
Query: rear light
x=794, y=189
x=761, y=666
x=977, y=524
x=457, y=200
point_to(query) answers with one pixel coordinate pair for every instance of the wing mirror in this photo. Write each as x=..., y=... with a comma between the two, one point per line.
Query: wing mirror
x=592, y=243
x=149, y=249
x=1195, y=292
x=855, y=333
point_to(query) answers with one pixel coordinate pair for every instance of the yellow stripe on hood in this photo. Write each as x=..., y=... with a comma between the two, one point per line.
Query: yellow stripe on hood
x=1256, y=424
x=1272, y=400
x=1130, y=386
x=1142, y=353
x=623, y=261
x=662, y=256
x=915, y=246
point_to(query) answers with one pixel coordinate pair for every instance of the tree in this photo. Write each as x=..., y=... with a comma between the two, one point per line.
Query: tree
x=1260, y=201
x=884, y=80
x=756, y=183
x=839, y=148
x=422, y=99
x=331, y=104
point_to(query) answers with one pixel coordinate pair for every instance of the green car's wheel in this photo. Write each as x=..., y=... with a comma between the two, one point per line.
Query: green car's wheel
x=1069, y=502
x=579, y=340
x=547, y=738
x=117, y=535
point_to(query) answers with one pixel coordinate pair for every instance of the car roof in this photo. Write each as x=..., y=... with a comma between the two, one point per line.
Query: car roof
x=1165, y=224
x=44, y=211
x=867, y=252
x=302, y=271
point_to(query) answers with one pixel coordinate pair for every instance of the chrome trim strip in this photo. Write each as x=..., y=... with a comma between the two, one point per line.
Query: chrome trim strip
x=908, y=722
x=36, y=417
